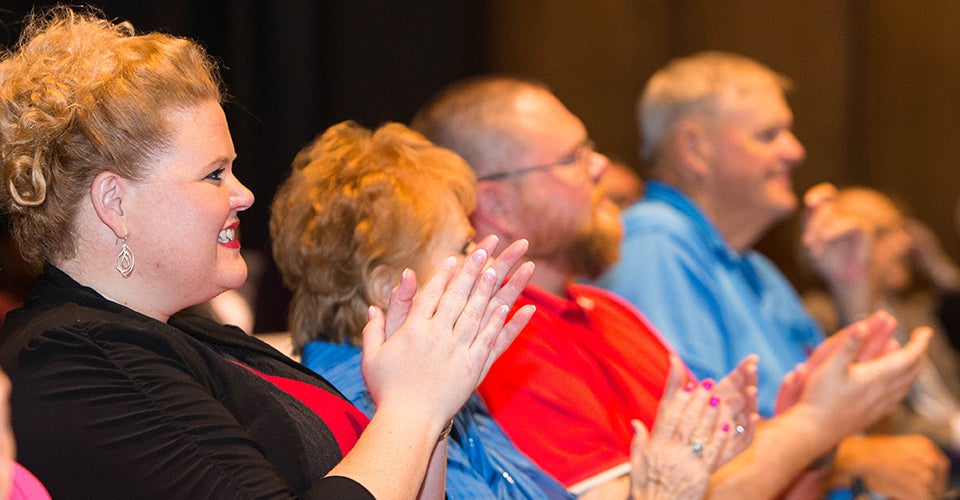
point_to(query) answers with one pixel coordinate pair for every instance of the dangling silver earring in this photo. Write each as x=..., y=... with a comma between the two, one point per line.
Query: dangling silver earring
x=125, y=260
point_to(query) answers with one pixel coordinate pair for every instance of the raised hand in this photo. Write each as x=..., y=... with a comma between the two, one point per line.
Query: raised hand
x=838, y=244
x=507, y=294
x=840, y=247
x=859, y=376
x=401, y=298
x=434, y=345
x=875, y=337
x=877, y=331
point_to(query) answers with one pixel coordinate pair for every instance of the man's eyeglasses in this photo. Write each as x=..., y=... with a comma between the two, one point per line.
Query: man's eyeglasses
x=582, y=152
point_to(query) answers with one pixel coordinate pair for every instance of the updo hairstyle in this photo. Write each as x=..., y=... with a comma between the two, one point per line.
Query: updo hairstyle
x=79, y=95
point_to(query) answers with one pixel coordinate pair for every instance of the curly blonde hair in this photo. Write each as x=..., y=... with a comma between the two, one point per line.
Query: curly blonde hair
x=79, y=95
x=356, y=200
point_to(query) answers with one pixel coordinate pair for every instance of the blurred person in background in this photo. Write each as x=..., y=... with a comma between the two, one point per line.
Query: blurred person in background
x=719, y=149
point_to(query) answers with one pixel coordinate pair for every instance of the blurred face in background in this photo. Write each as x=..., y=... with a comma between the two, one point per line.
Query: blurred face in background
x=890, y=263
x=621, y=185
x=754, y=153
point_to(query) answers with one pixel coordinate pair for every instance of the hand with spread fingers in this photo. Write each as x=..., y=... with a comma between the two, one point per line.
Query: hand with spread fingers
x=692, y=437
x=455, y=326
x=839, y=246
x=918, y=466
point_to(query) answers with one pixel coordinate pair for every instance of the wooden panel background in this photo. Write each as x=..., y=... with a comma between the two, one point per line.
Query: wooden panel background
x=877, y=84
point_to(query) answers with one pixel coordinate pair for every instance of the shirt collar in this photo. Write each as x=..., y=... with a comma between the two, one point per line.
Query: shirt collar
x=665, y=193
x=568, y=305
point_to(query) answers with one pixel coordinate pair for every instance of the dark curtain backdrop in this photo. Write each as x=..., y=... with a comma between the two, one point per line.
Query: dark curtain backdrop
x=295, y=67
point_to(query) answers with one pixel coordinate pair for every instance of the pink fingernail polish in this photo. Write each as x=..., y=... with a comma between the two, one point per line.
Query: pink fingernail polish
x=708, y=384
x=688, y=387
x=714, y=401
x=725, y=427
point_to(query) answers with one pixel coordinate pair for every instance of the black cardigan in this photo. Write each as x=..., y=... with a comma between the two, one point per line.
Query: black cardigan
x=109, y=403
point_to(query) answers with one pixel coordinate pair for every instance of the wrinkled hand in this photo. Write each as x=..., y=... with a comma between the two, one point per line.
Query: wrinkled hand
x=858, y=376
x=738, y=391
x=839, y=245
x=690, y=435
x=894, y=466
x=433, y=347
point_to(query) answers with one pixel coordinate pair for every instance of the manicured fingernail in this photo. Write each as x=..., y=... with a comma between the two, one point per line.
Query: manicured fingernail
x=450, y=262
x=708, y=384
x=688, y=387
x=725, y=427
x=489, y=275
x=480, y=256
x=714, y=401
x=370, y=313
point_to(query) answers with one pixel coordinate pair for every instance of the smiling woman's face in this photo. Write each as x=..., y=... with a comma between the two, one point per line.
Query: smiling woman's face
x=182, y=219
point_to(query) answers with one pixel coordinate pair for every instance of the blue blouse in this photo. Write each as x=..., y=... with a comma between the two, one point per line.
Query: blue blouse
x=482, y=462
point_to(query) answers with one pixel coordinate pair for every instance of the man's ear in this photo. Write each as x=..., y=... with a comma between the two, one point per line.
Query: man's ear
x=382, y=280
x=692, y=145
x=492, y=215
x=107, y=194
